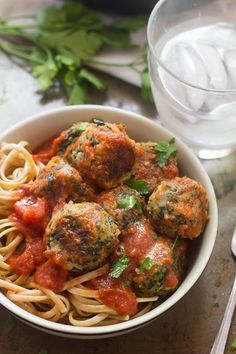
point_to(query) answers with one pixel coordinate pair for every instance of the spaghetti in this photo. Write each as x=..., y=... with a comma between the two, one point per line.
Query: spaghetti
x=75, y=304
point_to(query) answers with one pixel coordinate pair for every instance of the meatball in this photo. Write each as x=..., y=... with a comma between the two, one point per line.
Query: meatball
x=103, y=154
x=147, y=169
x=59, y=180
x=81, y=236
x=162, y=268
x=123, y=203
x=68, y=136
x=179, y=207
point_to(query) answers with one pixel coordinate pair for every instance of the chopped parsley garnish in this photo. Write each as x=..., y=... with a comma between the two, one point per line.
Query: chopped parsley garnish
x=98, y=121
x=216, y=304
x=233, y=345
x=127, y=282
x=165, y=149
x=146, y=265
x=176, y=243
x=43, y=351
x=129, y=202
x=139, y=185
x=83, y=126
x=9, y=322
x=119, y=266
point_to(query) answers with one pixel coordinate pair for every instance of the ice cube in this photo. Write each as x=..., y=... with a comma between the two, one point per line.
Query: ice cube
x=174, y=87
x=225, y=111
x=213, y=64
x=230, y=63
x=220, y=36
x=193, y=72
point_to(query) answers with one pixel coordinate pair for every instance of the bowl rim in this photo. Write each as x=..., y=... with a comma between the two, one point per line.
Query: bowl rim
x=179, y=293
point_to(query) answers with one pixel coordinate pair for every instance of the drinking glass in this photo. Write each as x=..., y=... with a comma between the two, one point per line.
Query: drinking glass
x=202, y=115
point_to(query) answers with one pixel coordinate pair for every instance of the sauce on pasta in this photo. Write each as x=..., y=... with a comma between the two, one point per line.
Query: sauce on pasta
x=78, y=244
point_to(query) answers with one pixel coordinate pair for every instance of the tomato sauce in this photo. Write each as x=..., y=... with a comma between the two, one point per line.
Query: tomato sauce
x=137, y=240
x=23, y=264
x=33, y=256
x=48, y=149
x=31, y=216
x=31, y=211
x=51, y=276
x=171, y=280
x=115, y=295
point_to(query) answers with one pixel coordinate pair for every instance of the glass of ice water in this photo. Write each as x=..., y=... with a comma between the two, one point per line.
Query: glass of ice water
x=192, y=65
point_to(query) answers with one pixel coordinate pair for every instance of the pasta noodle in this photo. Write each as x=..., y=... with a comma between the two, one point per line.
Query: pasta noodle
x=75, y=304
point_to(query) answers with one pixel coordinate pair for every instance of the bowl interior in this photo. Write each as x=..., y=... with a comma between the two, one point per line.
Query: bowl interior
x=45, y=125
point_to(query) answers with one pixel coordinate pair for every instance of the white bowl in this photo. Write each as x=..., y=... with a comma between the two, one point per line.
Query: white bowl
x=42, y=126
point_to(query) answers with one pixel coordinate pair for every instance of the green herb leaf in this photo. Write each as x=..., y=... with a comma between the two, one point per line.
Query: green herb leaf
x=9, y=322
x=116, y=39
x=78, y=95
x=127, y=282
x=45, y=73
x=83, y=126
x=98, y=121
x=43, y=351
x=138, y=206
x=233, y=345
x=139, y=185
x=216, y=305
x=146, y=265
x=176, y=243
x=63, y=39
x=119, y=266
x=70, y=78
x=92, y=79
x=127, y=203
x=165, y=149
x=80, y=44
x=132, y=23
x=146, y=89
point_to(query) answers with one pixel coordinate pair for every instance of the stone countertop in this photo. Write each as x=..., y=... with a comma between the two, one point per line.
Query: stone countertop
x=192, y=324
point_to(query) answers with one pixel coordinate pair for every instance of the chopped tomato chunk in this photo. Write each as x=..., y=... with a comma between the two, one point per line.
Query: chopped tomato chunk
x=33, y=256
x=23, y=264
x=37, y=248
x=31, y=211
x=51, y=276
x=122, y=300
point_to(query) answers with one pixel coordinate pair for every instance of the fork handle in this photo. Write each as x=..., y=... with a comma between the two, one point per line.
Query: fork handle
x=221, y=338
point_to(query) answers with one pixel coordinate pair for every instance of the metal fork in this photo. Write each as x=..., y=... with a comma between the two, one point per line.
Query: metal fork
x=221, y=338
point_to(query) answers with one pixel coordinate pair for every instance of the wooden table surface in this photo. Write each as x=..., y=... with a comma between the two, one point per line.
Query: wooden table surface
x=191, y=325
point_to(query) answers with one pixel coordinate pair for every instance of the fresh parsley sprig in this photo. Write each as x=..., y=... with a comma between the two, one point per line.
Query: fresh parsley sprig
x=139, y=185
x=233, y=345
x=145, y=265
x=62, y=40
x=128, y=202
x=165, y=149
x=119, y=266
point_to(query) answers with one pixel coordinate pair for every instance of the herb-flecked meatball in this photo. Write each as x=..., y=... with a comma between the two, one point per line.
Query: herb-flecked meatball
x=123, y=203
x=59, y=180
x=179, y=207
x=103, y=154
x=162, y=268
x=68, y=136
x=81, y=236
x=146, y=167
